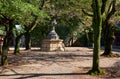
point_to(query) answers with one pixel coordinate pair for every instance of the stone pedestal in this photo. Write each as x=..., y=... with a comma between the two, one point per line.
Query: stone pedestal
x=52, y=42
x=52, y=45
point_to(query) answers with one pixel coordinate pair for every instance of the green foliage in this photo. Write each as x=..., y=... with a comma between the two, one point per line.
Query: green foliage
x=37, y=36
x=18, y=30
x=20, y=11
x=2, y=30
x=70, y=20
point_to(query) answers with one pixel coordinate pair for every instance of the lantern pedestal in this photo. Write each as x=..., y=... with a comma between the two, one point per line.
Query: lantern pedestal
x=52, y=42
x=52, y=45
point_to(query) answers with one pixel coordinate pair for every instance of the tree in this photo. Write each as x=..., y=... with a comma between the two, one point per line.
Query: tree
x=107, y=11
x=18, y=32
x=102, y=12
x=7, y=16
x=108, y=28
x=28, y=29
x=12, y=12
x=30, y=21
x=97, y=27
x=37, y=18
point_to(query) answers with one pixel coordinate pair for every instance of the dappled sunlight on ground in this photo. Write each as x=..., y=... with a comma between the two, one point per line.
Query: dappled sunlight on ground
x=71, y=64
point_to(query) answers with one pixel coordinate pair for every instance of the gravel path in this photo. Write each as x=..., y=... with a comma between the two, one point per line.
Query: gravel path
x=71, y=64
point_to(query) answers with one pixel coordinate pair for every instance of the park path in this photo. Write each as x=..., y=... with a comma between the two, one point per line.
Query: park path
x=71, y=64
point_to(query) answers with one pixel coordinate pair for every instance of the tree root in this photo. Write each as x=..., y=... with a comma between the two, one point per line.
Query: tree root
x=111, y=55
x=96, y=72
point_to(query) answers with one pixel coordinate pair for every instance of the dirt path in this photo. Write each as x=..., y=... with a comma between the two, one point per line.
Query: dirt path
x=71, y=64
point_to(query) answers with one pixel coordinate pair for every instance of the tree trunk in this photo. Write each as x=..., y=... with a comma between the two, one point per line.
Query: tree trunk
x=5, y=47
x=4, y=59
x=17, y=45
x=108, y=31
x=97, y=26
x=27, y=41
x=7, y=42
x=87, y=39
x=96, y=50
x=108, y=40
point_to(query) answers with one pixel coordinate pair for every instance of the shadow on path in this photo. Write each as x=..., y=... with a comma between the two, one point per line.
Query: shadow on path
x=32, y=75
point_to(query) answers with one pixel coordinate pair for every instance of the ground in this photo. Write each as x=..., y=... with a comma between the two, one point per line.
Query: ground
x=71, y=64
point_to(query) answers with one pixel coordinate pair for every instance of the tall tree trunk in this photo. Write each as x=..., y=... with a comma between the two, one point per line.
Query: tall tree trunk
x=5, y=48
x=97, y=26
x=7, y=43
x=4, y=59
x=96, y=50
x=17, y=45
x=27, y=41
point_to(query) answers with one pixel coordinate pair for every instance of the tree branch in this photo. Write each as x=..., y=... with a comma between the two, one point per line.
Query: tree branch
x=109, y=8
x=4, y=16
x=41, y=5
x=33, y=25
x=103, y=6
x=88, y=14
x=113, y=10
